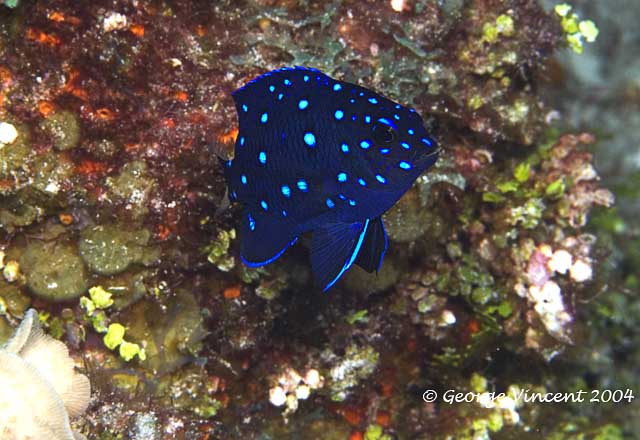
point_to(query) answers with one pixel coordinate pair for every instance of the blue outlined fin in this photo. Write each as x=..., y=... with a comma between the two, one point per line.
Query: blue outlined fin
x=334, y=248
x=374, y=247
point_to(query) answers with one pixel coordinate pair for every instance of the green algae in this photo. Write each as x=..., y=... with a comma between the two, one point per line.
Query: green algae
x=63, y=128
x=376, y=432
x=14, y=301
x=16, y=214
x=171, y=333
x=184, y=390
x=218, y=251
x=133, y=187
x=111, y=249
x=54, y=171
x=576, y=30
x=11, y=3
x=54, y=271
x=357, y=364
x=114, y=336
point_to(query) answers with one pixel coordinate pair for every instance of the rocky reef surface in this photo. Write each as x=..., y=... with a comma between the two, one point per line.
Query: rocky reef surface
x=512, y=268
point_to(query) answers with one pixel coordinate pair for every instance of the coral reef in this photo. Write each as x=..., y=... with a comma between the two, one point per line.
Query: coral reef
x=508, y=269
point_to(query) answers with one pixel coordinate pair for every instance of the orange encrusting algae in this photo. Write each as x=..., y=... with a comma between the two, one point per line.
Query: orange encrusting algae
x=137, y=30
x=228, y=137
x=163, y=232
x=46, y=108
x=42, y=37
x=181, y=96
x=232, y=292
x=90, y=167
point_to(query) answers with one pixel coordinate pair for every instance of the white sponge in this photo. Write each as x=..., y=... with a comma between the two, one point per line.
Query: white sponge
x=40, y=387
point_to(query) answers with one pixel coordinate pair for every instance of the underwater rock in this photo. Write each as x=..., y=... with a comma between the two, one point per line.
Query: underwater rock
x=359, y=280
x=40, y=389
x=407, y=220
x=54, y=271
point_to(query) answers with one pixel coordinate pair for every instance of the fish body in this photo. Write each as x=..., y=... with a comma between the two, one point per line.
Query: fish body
x=317, y=154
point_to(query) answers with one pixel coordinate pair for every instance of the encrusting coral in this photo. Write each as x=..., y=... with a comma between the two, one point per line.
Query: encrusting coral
x=41, y=390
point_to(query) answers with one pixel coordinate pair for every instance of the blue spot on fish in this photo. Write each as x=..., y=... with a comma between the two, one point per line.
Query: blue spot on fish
x=336, y=198
x=310, y=139
x=303, y=186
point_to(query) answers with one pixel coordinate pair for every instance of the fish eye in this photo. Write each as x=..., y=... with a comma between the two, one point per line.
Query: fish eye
x=383, y=133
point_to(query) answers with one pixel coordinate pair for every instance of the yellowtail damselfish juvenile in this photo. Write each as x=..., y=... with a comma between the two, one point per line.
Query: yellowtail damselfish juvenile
x=322, y=155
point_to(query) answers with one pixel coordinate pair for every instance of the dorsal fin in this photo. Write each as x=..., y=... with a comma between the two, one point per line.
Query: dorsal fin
x=250, y=88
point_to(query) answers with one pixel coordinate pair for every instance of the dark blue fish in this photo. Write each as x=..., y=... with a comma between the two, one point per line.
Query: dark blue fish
x=317, y=154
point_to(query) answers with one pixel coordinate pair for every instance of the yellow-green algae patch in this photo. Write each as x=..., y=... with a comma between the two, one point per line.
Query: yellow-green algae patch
x=111, y=249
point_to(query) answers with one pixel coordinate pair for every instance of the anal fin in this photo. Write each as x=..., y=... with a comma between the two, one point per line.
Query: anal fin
x=374, y=247
x=334, y=248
